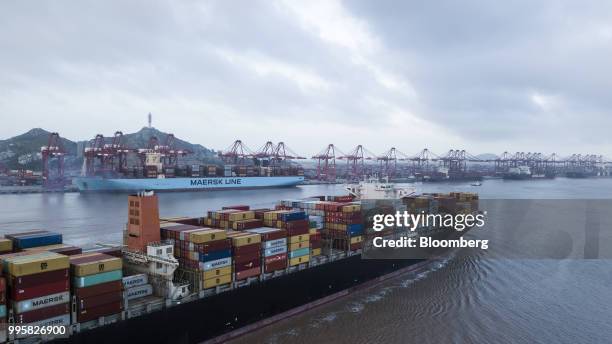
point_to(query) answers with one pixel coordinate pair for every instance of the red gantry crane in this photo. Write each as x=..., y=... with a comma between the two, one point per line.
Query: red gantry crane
x=53, y=149
x=326, y=163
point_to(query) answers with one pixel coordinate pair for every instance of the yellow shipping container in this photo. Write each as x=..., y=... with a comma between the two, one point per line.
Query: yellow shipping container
x=217, y=272
x=215, y=281
x=299, y=260
x=273, y=215
x=242, y=238
x=242, y=215
x=6, y=245
x=313, y=231
x=298, y=238
x=297, y=245
x=356, y=239
x=207, y=235
x=36, y=262
x=350, y=208
x=92, y=268
x=315, y=252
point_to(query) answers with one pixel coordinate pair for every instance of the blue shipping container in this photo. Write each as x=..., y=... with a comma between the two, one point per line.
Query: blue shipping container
x=88, y=281
x=299, y=252
x=292, y=216
x=215, y=255
x=274, y=251
x=354, y=229
x=36, y=240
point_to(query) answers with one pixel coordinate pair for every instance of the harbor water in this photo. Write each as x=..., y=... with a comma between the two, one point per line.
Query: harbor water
x=466, y=298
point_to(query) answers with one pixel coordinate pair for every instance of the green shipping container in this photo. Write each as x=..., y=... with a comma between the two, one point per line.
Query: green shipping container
x=88, y=281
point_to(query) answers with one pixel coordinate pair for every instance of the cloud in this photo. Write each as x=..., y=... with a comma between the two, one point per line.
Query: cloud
x=473, y=75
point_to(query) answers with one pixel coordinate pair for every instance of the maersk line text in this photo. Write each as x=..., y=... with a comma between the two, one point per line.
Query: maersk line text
x=428, y=242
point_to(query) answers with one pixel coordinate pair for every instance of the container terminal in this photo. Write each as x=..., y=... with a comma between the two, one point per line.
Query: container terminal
x=209, y=278
x=109, y=164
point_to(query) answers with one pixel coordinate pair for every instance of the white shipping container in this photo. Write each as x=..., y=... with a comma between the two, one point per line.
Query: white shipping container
x=140, y=291
x=216, y=264
x=135, y=280
x=274, y=243
x=275, y=250
x=41, y=302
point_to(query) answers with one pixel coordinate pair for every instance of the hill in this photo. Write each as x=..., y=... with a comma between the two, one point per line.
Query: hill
x=23, y=151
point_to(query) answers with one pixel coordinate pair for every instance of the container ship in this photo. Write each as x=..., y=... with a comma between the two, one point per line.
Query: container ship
x=100, y=184
x=203, y=279
x=158, y=170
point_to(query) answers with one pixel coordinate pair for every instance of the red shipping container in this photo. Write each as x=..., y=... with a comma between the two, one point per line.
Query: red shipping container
x=246, y=274
x=275, y=235
x=355, y=246
x=39, y=278
x=259, y=213
x=97, y=312
x=98, y=300
x=111, y=251
x=3, y=297
x=87, y=259
x=2, y=284
x=276, y=265
x=296, y=224
x=20, y=294
x=240, y=250
x=297, y=231
x=237, y=207
x=192, y=221
x=316, y=244
x=238, y=267
x=68, y=251
x=217, y=245
x=43, y=313
x=98, y=289
x=246, y=257
x=248, y=224
x=275, y=258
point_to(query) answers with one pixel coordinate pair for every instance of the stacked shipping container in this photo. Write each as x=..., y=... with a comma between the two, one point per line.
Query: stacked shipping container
x=137, y=286
x=39, y=285
x=96, y=282
x=246, y=252
x=273, y=248
x=295, y=222
x=205, y=251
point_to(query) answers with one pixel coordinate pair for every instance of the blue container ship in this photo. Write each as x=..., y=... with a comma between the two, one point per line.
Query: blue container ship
x=101, y=184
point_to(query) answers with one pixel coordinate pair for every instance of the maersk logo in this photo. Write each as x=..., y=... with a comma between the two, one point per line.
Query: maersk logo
x=54, y=299
x=216, y=181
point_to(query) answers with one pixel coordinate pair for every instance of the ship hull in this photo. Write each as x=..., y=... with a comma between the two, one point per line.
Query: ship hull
x=96, y=184
x=226, y=315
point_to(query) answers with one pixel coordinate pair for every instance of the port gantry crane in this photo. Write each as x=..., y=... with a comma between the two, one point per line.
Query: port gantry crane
x=167, y=151
x=326, y=163
x=388, y=162
x=355, y=163
x=111, y=157
x=422, y=161
x=274, y=155
x=283, y=153
x=236, y=154
x=53, y=149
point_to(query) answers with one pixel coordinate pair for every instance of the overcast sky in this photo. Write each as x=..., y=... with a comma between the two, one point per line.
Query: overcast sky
x=485, y=76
